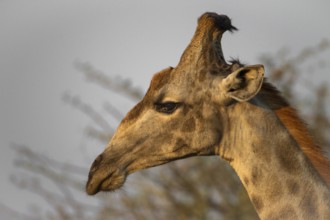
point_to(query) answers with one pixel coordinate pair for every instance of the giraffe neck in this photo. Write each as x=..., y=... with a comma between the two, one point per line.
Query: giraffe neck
x=280, y=180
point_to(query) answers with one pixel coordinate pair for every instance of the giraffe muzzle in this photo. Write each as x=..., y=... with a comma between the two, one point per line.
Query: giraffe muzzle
x=104, y=175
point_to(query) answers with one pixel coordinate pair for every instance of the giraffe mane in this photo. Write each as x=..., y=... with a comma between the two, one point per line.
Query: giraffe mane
x=298, y=129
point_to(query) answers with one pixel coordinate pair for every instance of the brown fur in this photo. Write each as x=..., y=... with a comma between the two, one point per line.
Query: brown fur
x=298, y=129
x=158, y=81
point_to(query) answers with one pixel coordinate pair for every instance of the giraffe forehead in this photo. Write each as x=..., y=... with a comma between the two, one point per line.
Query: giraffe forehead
x=187, y=81
x=160, y=79
x=169, y=86
x=184, y=85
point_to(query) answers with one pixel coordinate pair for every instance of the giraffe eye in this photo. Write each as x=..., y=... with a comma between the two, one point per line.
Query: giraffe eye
x=166, y=107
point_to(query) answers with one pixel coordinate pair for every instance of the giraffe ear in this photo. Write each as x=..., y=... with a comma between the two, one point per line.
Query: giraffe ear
x=244, y=83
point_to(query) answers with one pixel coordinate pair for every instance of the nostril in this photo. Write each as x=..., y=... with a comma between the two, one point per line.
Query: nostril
x=96, y=163
x=98, y=159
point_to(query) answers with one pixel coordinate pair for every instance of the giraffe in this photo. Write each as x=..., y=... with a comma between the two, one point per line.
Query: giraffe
x=206, y=106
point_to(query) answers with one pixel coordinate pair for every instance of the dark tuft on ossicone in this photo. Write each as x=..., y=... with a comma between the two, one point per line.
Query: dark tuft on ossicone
x=223, y=22
x=233, y=61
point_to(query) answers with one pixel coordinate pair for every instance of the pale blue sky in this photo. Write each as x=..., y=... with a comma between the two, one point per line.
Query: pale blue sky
x=40, y=41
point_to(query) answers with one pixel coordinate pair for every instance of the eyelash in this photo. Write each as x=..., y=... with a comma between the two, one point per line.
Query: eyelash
x=166, y=107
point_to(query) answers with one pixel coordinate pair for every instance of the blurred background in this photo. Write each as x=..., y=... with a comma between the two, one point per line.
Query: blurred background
x=70, y=70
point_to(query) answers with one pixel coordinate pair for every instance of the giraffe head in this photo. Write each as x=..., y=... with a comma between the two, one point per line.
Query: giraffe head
x=181, y=114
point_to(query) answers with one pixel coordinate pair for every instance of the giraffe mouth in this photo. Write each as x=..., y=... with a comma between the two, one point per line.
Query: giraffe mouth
x=114, y=180
x=104, y=176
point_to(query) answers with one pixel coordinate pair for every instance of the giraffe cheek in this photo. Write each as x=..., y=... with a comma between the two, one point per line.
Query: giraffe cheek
x=179, y=144
x=205, y=141
x=189, y=125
